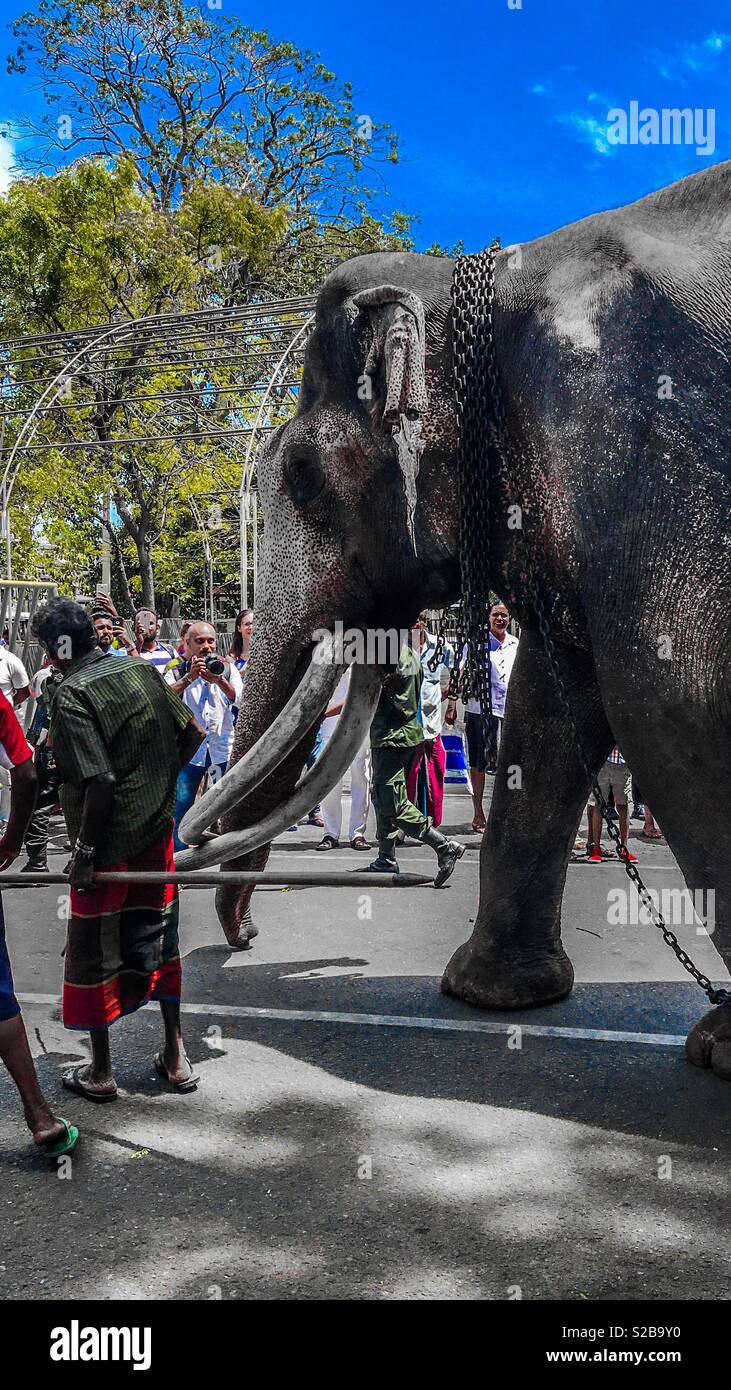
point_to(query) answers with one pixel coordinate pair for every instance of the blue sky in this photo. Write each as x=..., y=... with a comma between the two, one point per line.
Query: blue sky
x=502, y=112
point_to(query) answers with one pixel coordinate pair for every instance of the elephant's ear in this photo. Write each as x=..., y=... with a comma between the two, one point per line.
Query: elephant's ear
x=398, y=350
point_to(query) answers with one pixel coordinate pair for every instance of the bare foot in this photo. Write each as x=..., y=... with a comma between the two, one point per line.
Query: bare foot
x=176, y=1068
x=46, y=1129
x=82, y=1081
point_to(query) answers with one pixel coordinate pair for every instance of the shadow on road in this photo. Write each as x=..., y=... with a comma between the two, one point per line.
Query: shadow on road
x=325, y=1160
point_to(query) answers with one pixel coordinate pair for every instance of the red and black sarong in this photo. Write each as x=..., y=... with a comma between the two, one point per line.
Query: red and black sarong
x=122, y=947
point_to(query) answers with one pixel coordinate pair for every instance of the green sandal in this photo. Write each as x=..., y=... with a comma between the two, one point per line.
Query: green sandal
x=64, y=1145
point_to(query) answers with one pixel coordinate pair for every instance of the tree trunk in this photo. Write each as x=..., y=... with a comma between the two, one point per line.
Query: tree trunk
x=144, y=559
x=128, y=603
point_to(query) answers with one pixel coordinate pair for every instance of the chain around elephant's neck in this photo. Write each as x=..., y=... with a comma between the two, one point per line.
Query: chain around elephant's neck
x=473, y=352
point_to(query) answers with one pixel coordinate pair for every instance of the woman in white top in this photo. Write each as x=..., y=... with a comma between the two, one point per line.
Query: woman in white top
x=360, y=782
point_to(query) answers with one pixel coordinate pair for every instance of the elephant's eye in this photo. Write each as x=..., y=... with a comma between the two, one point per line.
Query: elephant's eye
x=306, y=477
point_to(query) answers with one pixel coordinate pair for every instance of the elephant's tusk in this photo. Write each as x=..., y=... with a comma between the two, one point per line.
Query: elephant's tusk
x=299, y=714
x=350, y=731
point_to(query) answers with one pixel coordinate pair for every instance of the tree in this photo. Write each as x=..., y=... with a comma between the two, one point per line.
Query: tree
x=189, y=97
x=194, y=162
x=88, y=247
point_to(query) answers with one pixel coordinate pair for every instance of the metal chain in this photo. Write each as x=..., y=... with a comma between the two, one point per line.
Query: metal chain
x=483, y=462
x=472, y=333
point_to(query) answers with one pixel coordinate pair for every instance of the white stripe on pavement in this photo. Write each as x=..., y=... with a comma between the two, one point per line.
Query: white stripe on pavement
x=446, y=1025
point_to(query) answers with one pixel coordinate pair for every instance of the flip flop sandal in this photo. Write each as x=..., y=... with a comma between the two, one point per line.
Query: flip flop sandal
x=190, y=1083
x=479, y=829
x=328, y=842
x=72, y=1081
x=56, y=1148
x=650, y=835
x=359, y=842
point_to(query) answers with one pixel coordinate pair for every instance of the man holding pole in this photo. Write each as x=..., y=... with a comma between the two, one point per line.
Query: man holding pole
x=120, y=736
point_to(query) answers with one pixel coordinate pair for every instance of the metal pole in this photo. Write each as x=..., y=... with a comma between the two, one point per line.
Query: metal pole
x=8, y=538
x=254, y=541
x=298, y=878
x=244, y=547
x=5, y=512
x=106, y=549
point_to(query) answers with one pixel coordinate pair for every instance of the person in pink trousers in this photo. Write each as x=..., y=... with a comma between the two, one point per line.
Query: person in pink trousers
x=425, y=777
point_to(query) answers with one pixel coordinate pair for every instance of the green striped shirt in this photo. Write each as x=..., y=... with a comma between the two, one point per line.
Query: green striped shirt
x=119, y=717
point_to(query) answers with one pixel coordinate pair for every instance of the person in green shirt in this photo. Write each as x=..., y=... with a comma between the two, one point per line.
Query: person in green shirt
x=120, y=736
x=396, y=730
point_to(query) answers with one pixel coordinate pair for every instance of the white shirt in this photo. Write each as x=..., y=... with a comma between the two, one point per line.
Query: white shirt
x=502, y=658
x=159, y=657
x=13, y=675
x=338, y=697
x=432, y=687
x=214, y=712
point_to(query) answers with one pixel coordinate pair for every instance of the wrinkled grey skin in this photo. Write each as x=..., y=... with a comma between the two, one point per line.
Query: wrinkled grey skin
x=627, y=500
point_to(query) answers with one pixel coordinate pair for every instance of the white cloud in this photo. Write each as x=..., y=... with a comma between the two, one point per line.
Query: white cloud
x=7, y=160
x=538, y=90
x=699, y=56
x=592, y=131
x=717, y=42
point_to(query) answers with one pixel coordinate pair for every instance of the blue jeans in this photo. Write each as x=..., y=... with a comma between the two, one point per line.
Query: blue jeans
x=189, y=780
x=314, y=755
x=9, y=1006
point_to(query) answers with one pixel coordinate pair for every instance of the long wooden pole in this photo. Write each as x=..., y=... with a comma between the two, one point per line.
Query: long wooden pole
x=294, y=878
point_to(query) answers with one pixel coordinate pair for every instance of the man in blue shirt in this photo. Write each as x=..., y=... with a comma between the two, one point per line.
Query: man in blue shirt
x=108, y=632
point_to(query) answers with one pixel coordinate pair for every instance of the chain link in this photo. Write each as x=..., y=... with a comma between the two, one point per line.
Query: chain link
x=483, y=472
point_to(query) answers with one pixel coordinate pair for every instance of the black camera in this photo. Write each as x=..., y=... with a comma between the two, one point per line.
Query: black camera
x=214, y=664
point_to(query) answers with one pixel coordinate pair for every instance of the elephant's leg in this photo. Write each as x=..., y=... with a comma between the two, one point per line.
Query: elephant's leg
x=676, y=740
x=514, y=957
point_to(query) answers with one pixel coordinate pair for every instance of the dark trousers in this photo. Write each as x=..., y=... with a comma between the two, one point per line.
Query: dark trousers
x=36, y=836
x=391, y=804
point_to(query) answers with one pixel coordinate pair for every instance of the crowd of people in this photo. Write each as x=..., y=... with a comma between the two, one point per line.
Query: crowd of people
x=125, y=732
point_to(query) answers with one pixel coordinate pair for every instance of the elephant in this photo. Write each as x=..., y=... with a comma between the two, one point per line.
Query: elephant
x=612, y=341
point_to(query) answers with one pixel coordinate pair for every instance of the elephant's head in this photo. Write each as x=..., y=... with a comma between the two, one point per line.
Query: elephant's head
x=360, y=511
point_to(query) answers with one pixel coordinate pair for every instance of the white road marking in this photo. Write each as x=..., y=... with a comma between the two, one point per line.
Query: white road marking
x=446, y=1025
x=332, y=856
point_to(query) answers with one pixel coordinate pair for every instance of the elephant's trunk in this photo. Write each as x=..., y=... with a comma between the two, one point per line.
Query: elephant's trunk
x=277, y=668
x=351, y=730
x=272, y=747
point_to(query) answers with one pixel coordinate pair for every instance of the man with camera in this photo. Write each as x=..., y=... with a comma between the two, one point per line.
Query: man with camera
x=210, y=686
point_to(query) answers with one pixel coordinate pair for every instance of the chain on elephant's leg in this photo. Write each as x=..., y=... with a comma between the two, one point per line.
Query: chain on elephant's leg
x=514, y=958
x=688, y=793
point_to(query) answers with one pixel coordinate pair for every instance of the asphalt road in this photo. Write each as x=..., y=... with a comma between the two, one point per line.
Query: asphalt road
x=358, y=1135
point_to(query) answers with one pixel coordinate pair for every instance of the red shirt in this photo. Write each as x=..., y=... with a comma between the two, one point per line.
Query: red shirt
x=14, y=747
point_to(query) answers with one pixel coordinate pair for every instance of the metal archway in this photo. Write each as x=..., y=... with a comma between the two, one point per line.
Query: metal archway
x=214, y=380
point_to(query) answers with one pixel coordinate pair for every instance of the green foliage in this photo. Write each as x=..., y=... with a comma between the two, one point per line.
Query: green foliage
x=187, y=94
x=183, y=161
x=89, y=247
